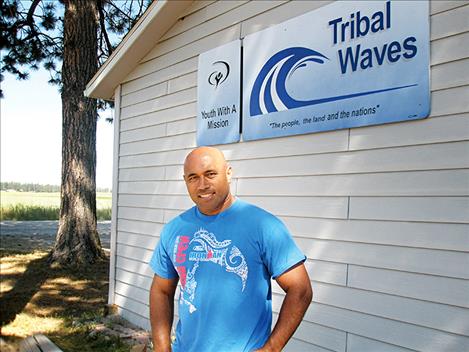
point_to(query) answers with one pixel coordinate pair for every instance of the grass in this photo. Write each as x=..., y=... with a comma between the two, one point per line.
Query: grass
x=62, y=303
x=29, y=212
x=44, y=206
x=103, y=200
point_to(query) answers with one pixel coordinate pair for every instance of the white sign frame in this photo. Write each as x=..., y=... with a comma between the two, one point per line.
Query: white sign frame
x=219, y=95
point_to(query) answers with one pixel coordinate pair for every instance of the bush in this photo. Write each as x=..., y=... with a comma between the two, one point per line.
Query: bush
x=21, y=212
x=104, y=214
x=29, y=212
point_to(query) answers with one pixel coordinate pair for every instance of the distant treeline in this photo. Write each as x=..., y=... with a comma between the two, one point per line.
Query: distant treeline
x=35, y=187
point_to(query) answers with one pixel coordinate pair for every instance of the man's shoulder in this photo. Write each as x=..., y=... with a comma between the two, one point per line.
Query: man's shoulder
x=179, y=220
x=184, y=216
x=261, y=221
x=256, y=212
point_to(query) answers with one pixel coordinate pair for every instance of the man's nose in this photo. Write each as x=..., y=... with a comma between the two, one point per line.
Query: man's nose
x=203, y=184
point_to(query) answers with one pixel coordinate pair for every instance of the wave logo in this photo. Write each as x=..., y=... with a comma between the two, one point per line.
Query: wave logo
x=269, y=93
x=221, y=73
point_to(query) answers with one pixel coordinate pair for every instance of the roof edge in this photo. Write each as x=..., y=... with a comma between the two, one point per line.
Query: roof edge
x=153, y=24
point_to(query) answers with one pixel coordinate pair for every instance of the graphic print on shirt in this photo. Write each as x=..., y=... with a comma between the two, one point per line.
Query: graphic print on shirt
x=204, y=247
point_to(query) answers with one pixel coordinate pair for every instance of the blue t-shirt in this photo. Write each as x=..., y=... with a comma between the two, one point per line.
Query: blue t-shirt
x=224, y=264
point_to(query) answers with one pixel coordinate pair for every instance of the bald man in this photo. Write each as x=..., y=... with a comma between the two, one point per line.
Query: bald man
x=224, y=252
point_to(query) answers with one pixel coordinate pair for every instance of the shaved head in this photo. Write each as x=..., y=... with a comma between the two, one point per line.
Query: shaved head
x=208, y=176
x=203, y=152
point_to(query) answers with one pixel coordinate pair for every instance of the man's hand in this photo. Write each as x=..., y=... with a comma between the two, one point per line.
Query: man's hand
x=297, y=286
x=161, y=312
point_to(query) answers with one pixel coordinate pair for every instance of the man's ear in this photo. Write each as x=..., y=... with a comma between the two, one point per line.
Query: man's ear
x=229, y=173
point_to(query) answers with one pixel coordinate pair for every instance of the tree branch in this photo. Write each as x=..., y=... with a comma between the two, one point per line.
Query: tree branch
x=119, y=10
x=32, y=9
x=103, y=27
x=141, y=9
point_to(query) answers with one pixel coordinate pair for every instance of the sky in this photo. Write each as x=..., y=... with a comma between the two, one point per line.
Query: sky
x=31, y=133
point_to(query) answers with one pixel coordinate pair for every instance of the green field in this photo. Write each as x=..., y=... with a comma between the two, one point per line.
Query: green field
x=104, y=200
x=43, y=206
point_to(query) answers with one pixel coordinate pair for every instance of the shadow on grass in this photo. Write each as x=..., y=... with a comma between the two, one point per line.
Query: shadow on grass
x=41, y=292
x=26, y=286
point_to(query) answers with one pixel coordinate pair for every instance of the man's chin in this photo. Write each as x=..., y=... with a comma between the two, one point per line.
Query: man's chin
x=207, y=210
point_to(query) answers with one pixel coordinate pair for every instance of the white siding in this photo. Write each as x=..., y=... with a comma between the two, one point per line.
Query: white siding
x=382, y=212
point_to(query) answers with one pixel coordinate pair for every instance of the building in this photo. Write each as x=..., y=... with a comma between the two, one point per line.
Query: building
x=381, y=211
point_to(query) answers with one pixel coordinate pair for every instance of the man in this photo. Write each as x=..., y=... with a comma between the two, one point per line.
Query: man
x=224, y=252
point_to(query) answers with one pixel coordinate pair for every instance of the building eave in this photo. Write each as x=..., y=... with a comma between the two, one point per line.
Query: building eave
x=154, y=23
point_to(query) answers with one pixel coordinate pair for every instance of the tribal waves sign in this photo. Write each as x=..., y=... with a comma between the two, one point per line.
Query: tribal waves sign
x=346, y=65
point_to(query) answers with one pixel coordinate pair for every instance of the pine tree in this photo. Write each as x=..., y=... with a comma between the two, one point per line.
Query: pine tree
x=80, y=41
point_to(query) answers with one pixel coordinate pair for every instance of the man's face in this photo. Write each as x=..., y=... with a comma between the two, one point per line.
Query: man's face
x=208, y=178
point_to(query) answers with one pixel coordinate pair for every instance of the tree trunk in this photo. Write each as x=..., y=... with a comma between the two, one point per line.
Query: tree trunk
x=77, y=240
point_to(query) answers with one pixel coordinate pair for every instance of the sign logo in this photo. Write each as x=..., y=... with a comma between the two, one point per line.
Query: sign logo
x=269, y=92
x=220, y=75
x=219, y=95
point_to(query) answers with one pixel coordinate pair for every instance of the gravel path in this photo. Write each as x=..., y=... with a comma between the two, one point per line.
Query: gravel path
x=27, y=235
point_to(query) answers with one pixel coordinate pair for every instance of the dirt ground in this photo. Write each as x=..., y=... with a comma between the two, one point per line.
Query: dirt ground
x=39, y=235
x=63, y=303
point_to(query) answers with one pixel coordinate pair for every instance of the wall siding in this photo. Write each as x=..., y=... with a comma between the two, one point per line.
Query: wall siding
x=382, y=212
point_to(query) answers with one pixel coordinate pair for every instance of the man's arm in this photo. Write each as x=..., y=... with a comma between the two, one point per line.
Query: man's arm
x=295, y=282
x=161, y=312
